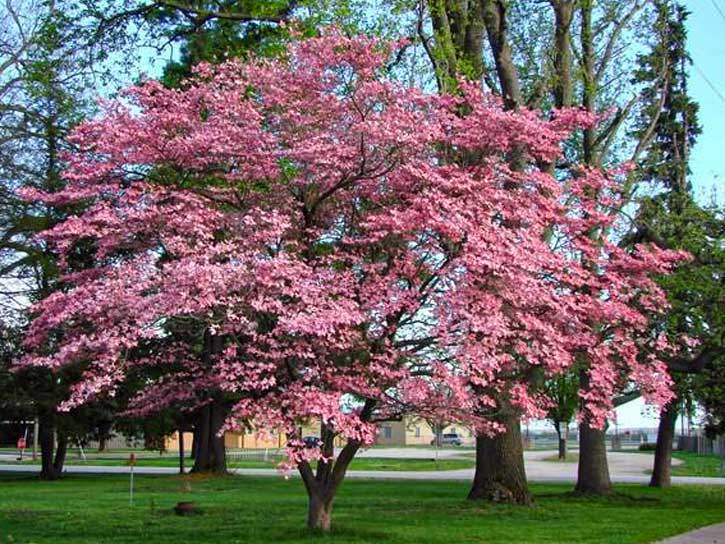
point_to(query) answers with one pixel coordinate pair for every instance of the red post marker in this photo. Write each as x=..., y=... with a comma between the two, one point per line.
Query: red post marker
x=131, y=463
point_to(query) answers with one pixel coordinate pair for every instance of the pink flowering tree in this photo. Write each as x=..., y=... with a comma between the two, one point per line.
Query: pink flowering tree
x=351, y=247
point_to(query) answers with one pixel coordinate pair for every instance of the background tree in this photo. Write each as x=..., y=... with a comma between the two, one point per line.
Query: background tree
x=563, y=391
x=672, y=217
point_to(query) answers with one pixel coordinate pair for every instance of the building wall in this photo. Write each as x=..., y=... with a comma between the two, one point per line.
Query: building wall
x=391, y=433
x=248, y=440
x=413, y=431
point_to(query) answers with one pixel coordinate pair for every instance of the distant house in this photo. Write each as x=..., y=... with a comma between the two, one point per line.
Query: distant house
x=247, y=440
x=414, y=431
x=410, y=431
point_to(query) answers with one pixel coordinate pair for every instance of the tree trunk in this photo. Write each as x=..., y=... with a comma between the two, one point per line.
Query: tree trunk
x=46, y=438
x=101, y=444
x=593, y=470
x=496, y=29
x=322, y=484
x=60, y=454
x=195, y=440
x=563, y=87
x=662, y=471
x=319, y=512
x=181, y=451
x=210, y=453
x=500, y=473
x=562, y=433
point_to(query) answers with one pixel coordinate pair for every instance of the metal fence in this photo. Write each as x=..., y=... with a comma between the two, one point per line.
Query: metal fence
x=701, y=444
x=264, y=455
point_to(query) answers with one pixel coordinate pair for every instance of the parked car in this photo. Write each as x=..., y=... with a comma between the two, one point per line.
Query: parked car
x=312, y=441
x=448, y=439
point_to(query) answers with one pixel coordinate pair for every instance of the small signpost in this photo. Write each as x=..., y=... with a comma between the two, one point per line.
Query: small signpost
x=22, y=443
x=131, y=463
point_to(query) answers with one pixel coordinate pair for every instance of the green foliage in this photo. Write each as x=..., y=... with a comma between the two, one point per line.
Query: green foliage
x=564, y=392
x=219, y=39
x=663, y=72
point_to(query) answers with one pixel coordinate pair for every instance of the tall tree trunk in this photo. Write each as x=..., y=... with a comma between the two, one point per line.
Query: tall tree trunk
x=101, y=444
x=181, y=451
x=209, y=450
x=195, y=439
x=662, y=471
x=563, y=436
x=209, y=453
x=46, y=438
x=563, y=86
x=500, y=474
x=593, y=470
x=60, y=453
x=494, y=15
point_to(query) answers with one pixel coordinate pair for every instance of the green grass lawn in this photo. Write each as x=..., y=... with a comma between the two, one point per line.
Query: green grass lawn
x=697, y=465
x=571, y=457
x=361, y=463
x=707, y=465
x=87, y=509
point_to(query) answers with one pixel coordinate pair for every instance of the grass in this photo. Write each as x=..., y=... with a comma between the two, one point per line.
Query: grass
x=571, y=457
x=697, y=465
x=84, y=510
x=360, y=463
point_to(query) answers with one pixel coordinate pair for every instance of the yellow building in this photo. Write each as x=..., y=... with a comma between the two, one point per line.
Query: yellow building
x=247, y=440
x=410, y=431
x=414, y=431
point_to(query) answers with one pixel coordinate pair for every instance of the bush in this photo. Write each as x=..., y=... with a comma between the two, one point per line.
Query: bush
x=647, y=446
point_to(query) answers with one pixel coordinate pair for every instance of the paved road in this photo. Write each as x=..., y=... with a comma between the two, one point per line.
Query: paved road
x=714, y=534
x=624, y=468
x=459, y=475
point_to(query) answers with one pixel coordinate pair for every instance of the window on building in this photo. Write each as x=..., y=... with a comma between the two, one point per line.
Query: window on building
x=417, y=432
x=387, y=432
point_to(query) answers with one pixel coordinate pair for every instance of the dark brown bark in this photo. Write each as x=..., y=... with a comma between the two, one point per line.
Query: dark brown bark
x=60, y=453
x=46, y=438
x=593, y=471
x=563, y=435
x=500, y=474
x=181, y=451
x=209, y=450
x=562, y=449
x=319, y=512
x=662, y=471
x=563, y=86
x=194, y=441
x=322, y=485
x=494, y=15
x=101, y=444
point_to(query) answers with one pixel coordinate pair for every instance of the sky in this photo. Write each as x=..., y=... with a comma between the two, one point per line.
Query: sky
x=706, y=28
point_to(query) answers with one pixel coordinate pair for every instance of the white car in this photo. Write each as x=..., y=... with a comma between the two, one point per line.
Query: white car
x=449, y=439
